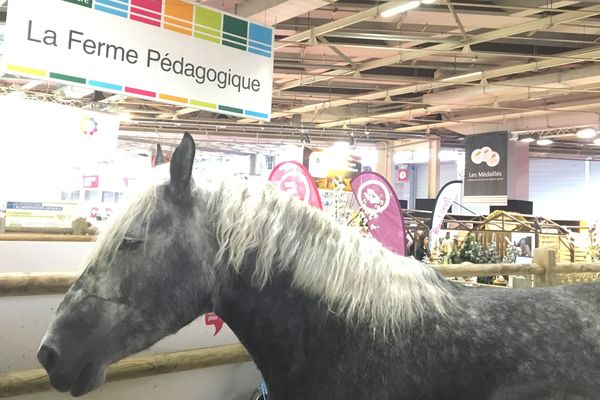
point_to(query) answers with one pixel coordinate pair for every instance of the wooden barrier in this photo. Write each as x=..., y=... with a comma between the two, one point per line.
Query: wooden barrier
x=544, y=269
x=36, y=380
x=488, y=269
x=78, y=227
x=44, y=237
x=576, y=268
x=35, y=283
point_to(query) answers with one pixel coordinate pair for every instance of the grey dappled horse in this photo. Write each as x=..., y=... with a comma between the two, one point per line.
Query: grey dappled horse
x=325, y=314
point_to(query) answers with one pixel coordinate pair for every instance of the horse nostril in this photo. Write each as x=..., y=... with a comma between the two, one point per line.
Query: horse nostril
x=48, y=357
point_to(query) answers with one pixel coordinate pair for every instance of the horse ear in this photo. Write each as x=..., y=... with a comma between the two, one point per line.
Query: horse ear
x=181, y=167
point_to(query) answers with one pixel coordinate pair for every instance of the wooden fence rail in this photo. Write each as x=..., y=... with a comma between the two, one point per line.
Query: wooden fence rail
x=544, y=270
x=489, y=269
x=44, y=237
x=78, y=227
x=36, y=380
x=35, y=283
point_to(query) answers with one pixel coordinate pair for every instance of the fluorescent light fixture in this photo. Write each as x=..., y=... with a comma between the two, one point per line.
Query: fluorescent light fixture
x=31, y=84
x=471, y=76
x=400, y=8
x=586, y=133
x=527, y=138
x=75, y=92
x=545, y=142
x=597, y=142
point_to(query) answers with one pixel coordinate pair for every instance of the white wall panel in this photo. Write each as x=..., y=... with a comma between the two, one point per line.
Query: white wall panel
x=558, y=188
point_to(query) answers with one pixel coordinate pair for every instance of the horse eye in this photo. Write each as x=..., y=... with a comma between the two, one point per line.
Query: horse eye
x=129, y=244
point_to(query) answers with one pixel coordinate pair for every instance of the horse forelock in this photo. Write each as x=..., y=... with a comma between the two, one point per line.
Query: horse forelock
x=356, y=277
x=135, y=211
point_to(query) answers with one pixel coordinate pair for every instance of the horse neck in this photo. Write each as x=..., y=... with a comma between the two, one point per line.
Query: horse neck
x=264, y=235
x=283, y=329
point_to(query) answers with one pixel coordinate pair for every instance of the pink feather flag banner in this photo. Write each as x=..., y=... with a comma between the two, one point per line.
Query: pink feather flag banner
x=291, y=176
x=378, y=201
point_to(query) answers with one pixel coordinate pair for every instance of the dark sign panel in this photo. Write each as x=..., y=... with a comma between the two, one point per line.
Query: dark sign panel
x=486, y=168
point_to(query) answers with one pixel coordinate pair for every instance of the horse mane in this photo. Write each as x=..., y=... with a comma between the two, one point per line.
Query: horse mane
x=356, y=277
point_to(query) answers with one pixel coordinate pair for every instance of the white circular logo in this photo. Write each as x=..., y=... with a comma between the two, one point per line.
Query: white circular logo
x=374, y=196
x=296, y=183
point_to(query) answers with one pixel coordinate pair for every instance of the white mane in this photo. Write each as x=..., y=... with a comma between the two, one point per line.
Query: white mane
x=356, y=277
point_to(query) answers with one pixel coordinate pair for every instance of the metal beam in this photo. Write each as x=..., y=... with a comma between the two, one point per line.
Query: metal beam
x=338, y=24
x=457, y=20
x=450, y=81
x=586, y=106
x=271, y=12
x=563, y=59
x=480, y=38
x=338, y=52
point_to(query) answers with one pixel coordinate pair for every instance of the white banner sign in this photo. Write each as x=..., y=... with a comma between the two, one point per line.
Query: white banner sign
x=165, y=50
x=448, y=193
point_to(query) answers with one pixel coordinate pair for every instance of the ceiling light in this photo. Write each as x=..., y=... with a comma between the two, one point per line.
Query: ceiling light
x=471, y=76
x=527, y=138
x=400, y=8
x=545, y=142
x=586, y=133
x=75, y=92
x=597, y=142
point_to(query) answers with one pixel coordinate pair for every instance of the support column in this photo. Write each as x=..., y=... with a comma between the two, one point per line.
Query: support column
x=384, y=160
x=434, y=167
x=518, y=171
x=253, y=164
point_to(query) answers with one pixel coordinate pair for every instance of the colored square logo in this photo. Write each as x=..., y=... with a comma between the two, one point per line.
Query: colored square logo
x=84, y=3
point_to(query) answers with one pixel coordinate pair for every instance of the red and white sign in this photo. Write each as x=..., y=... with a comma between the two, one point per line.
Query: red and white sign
x=291, y=176
x=402, y=175
x=91, y=181
x=213, y=319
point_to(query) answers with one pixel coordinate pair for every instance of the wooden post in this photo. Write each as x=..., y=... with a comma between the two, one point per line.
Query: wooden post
x=545, y=258
x=79, y=226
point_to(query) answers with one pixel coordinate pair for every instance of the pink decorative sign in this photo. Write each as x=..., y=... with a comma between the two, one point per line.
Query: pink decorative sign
x=378, y=201
x=291, y=176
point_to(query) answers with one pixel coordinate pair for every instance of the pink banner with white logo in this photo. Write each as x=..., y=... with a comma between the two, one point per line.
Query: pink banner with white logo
x=291, y=176
x=378, y=201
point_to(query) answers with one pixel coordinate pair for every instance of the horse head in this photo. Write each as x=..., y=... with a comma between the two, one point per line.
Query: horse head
x=143, y=281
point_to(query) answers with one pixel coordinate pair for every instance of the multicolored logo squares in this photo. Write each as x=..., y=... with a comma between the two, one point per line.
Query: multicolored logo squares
x=179, y=17
x=119, y=8
x=188, y=19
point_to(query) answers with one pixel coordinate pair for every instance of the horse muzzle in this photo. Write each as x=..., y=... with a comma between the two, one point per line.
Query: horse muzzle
x=77, y=378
